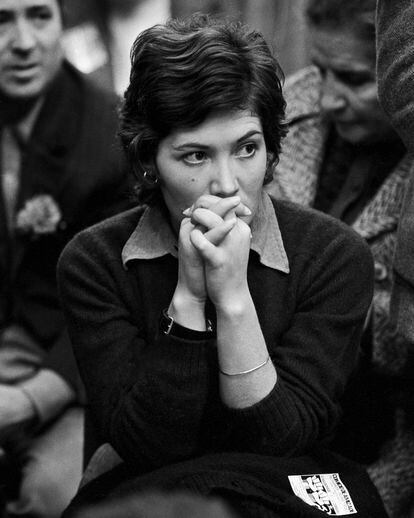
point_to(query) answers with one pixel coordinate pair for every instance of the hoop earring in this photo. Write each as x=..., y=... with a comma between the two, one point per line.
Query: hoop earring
x=151, y=179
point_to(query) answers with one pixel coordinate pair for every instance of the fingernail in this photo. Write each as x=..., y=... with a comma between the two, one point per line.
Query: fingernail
x=187, y=212
x=247, y=211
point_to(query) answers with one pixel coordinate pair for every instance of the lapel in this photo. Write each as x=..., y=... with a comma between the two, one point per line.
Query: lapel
x=46, y=157
x=296, y=175
x=383, y=211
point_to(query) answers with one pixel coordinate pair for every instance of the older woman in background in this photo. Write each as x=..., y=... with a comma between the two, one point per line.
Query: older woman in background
x=344, y=157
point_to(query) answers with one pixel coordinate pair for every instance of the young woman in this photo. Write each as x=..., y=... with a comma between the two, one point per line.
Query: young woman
x=215, y=328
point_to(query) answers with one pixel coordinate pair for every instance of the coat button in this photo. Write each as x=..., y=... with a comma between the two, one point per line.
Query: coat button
x=380, y=271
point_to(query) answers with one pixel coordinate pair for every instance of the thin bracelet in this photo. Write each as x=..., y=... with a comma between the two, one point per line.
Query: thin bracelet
x=248, y=371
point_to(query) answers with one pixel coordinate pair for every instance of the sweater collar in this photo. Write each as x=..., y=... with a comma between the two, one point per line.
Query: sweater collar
x=153, y=237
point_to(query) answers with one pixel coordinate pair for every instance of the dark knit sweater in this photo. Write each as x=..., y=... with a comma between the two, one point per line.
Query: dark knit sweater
x=156, y=399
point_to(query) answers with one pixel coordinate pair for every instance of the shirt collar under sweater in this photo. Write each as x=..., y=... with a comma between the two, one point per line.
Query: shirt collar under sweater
x=153, y=237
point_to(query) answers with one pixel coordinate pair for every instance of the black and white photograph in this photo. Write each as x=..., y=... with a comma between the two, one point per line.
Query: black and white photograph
x=206, y=258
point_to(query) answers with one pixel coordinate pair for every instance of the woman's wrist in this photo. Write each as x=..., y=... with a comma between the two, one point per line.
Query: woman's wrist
x=169, y=326
x=234, y=306
x=187, y=310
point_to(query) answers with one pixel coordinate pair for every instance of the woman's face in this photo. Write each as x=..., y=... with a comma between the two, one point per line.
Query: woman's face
x=224, y=156
x=349, y=90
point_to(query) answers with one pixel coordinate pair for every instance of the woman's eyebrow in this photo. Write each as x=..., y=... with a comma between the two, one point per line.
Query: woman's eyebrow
x=249, y=134
x=186, y=145
x=198, y=145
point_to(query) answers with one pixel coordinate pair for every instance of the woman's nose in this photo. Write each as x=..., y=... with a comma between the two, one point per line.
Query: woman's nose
x=333, y=99
x=224, y=183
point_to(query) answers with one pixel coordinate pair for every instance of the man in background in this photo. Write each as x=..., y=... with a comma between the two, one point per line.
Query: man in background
x=100, y=44
x=61, y=171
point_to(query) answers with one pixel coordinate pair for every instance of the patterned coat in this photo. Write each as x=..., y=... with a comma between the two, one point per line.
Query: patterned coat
x=295, y=179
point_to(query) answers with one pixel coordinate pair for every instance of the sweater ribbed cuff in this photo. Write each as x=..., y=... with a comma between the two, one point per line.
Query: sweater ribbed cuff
x=191, y=355
x=271, y=423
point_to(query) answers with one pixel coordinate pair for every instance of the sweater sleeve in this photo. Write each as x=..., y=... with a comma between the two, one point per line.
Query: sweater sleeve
x=395, y=64
x=146, y=394
x=316, y=355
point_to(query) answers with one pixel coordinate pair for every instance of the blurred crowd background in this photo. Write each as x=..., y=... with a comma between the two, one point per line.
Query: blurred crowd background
x=99, y=33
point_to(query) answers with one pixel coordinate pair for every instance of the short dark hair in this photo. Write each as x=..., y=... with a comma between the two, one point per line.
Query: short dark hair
x=187, y=69
x=357, y=15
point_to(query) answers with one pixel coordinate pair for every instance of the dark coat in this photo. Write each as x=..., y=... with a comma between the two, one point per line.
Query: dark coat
x=72, y=156
x=394, y=475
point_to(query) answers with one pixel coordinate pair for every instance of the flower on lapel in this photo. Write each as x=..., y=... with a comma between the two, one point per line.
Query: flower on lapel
x=40, y=215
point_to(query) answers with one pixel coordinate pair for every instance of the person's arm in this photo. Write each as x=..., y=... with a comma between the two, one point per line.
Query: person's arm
x=187, y=306
x=61, y=360
x=33, y=401
x=214, y=247
x=292, y=400
x=16, y=411
x=33, y=392
x=49, y=394
x=56, y=384
x=147, y=390
x=395, y=76
x=395, y=65
x=240, y=342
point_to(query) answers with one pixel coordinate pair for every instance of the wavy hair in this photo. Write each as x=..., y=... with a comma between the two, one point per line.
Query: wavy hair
x=183, y=71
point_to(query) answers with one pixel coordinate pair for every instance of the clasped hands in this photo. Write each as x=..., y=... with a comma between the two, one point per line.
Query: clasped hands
x=214, y=245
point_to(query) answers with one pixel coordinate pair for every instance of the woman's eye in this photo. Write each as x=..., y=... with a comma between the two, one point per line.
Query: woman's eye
x=197, y=157
x=247, y=150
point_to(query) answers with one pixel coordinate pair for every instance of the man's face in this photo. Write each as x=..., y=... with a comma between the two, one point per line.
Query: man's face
x=30, y=46
x=349, y=90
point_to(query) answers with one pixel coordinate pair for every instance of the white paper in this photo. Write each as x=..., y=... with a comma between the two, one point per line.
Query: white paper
x=324, y=491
